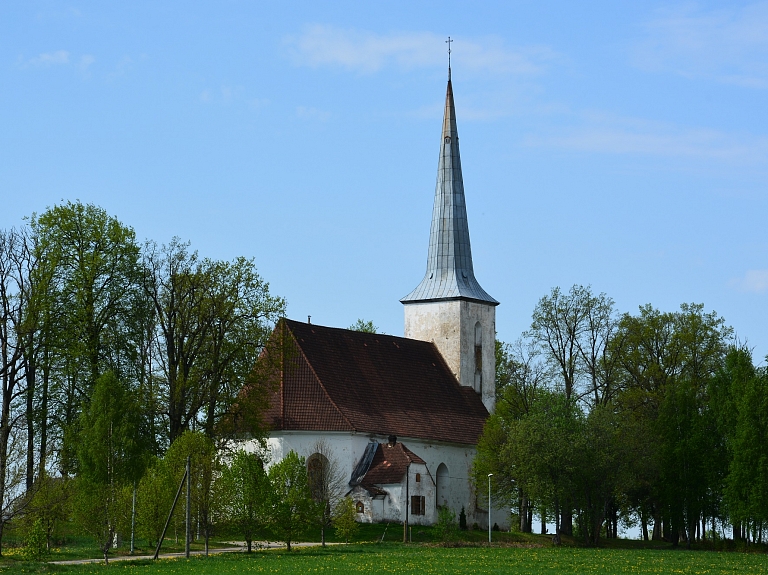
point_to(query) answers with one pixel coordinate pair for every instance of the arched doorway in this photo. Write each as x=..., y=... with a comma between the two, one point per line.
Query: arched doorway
x=317, y=474
x=443, y=485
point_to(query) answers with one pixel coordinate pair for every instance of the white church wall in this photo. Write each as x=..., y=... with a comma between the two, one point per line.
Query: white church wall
x=348, y=448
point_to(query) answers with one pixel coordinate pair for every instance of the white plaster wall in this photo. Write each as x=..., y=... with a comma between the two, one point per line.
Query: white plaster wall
x=451, y=326
x=348, y=448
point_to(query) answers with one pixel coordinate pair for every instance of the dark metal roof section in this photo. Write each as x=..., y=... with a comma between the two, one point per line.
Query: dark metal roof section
x=450, y=274
x=364, y=464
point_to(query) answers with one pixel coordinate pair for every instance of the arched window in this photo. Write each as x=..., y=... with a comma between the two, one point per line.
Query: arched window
x=443, y=485
x=478, y=358
x=359, y=507
x=317, y=475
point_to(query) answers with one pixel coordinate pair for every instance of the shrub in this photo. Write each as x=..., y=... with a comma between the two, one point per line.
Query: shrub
x=36, y=544
x=463, y=520
x=446, y=528
x=344, y=519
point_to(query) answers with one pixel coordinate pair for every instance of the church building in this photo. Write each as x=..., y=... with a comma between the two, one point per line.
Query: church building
x=400, y=416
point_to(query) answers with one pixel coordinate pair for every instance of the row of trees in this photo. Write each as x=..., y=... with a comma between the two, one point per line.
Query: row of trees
x=120, y=491
x=654, y=419
x=92, y=321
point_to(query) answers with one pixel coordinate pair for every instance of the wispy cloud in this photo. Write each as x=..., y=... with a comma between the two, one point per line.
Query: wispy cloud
x=365, y=51
x=754, y=281
x=45, y=60
x=610, y=134
x=728, y=45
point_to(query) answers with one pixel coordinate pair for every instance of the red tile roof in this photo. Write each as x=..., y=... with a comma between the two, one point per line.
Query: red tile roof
x=341, y=380
x=389, y=464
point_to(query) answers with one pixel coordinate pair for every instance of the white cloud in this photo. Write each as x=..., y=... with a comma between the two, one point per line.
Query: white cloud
x=729, y=45
x=366, y=51
x=604, y=133
x=755, y=281
x=58, y=58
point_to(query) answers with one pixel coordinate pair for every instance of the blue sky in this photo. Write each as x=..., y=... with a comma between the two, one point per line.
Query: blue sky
x=618, y=144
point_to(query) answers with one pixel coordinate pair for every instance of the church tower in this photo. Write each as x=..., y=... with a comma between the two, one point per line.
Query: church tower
x=449, y=307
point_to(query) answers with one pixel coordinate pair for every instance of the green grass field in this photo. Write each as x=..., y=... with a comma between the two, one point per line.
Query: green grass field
x=512, y=553
x=422, y=559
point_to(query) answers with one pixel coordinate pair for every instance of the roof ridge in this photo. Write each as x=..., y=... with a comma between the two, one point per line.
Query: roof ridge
x=320, y=381
x=361, y=333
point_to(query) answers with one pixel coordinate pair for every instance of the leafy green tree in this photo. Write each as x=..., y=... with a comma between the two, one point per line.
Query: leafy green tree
x=205, y=467
x=156, y=491
x=345, y=519
x=93, y=261
x=364, y=326
x=744, y=415
x=293, y=508
x=248, y=493
x=213, y=319
x=112, y=454
x=35, y=545
x=50, y=504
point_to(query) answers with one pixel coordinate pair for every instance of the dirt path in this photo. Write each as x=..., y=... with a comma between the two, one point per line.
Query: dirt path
x=240, y=548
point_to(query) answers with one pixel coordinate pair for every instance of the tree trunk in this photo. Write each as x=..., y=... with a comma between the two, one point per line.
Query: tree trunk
x=657, y=534
x=524, y=528
x=644, y=525
x=44, y=418
x=566, y=522
x=30, y=416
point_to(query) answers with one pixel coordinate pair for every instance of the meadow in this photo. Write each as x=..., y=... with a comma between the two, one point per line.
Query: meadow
x=424, y=559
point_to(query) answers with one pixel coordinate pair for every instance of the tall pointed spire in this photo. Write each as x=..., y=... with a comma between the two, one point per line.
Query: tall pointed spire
x=450, y=274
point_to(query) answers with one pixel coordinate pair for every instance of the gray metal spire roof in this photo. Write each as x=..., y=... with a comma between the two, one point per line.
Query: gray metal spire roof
x=450, y=274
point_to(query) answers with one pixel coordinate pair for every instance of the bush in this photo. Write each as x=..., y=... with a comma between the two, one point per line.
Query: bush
x=446, y=528
x=344, y=519
x=463, y=520
x=36, y=544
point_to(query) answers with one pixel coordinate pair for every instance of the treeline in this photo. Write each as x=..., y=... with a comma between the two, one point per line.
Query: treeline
x=657, y=420
x=171, y=337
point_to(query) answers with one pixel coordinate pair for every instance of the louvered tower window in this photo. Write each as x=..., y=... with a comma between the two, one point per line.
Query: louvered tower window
x=478, y=358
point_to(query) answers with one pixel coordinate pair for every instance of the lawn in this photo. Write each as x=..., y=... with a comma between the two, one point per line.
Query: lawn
x=422, y=559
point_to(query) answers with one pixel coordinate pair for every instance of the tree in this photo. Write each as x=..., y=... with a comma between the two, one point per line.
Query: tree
x=14, y=269
x=326, y=483
x=156, y=491
x=213, y=319
x=247, y=486
x=112, y=454
x=364, y=326
x=205, y=468
x=345, y=519
x=292, y=508
x=49, y=505
x=93, y=261
x=740, y=393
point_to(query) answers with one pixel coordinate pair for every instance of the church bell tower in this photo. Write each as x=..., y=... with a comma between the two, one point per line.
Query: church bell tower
x=449, y=307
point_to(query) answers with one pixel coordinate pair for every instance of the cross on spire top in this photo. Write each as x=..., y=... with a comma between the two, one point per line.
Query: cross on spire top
x=448, y=41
